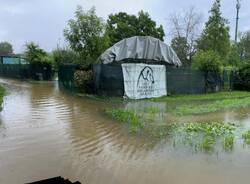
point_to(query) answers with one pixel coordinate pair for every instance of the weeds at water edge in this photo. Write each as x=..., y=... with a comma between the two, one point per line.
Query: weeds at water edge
x=200, y=136
x=246, y=137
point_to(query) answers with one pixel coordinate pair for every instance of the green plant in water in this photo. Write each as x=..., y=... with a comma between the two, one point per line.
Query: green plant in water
x=204, y=135
x=228, y=142
x=200, y=136
x=152, y=109
x=128, y=117
x=246, y=137
x=208, y=142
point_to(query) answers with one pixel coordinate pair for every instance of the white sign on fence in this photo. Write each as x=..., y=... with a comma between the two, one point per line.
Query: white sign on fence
x=144, y=81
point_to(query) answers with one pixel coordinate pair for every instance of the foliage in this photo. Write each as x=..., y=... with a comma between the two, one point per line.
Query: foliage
x=246, y=137
x=200, y=136
x=185, y=29
x=181, y=48
x=207, y=61
x=35, y=55
x=5, y=48
x=127, y=117
x=244, y=46
x=207, y=134
x=85, y=34
x=123, y=25
x=2, y=94
x=241, y=79
x=240, y=52
x=228, y=141
x=83, y=80
x=234, y=58
x=216, y=36
x=158, y=123
x=64, y=55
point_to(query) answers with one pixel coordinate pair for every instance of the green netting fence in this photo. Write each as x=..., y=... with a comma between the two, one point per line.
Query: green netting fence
x=66, y=76
x=108, y=80
x=26, y=71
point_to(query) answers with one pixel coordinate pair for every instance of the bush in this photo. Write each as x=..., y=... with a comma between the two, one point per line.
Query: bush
x=35, y=55
x=64, y=55
x=84, y=80
x=241, y=79
x=207, y=61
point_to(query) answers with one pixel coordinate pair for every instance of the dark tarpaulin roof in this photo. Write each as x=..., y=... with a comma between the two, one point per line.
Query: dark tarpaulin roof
x=141, y=48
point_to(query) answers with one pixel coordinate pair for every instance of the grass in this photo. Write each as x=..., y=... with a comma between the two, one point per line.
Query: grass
x=228, y=142
x=208, y=103
x=127, y=117
x=212, y=106
x=246, y=137
x=205, y=135
x=2, y=94
x=200, y=136
x=203, y=97
x=151, y=121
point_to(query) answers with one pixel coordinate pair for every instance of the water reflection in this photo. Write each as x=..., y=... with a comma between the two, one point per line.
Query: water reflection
x=48, y=132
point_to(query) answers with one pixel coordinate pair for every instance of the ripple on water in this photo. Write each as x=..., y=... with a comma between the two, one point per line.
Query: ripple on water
x=45, y=132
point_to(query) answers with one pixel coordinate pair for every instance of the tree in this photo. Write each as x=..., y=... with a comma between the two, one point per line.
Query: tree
x=65, y=55
x=216, y=36
x=123, y=25
x=5, y=48
x=244, y=46
x=234, y=57
x=185, y=29
x=85, y=34
x=181, y=47
x=35, y=55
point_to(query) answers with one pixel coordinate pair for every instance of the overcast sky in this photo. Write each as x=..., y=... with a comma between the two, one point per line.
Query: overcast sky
x=43, y=21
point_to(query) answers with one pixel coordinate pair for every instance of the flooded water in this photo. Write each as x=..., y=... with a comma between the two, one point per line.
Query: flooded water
x=46, y=132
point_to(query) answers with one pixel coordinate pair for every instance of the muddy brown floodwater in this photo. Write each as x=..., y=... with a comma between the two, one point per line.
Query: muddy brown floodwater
x=46, y=132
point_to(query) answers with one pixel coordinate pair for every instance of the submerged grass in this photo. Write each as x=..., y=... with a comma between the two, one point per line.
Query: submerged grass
x=128, y=117
x=246, y=137
x=200, y=136
x=205, y=135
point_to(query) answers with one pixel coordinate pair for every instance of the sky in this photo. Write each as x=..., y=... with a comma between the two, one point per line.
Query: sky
x=43, y=21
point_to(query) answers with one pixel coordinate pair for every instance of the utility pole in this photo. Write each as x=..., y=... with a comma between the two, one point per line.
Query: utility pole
x=237, y=20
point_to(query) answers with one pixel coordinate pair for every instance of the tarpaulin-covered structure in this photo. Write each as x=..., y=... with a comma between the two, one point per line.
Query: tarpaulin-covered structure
x=139, y=70
x=144, y=48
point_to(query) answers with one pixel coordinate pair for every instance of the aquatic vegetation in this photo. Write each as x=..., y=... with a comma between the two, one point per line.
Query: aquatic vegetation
x=205, y=135
x=228, y=142
x=151, y=109
x=198, y=135
x=127, y=117
x=208, y=143
x=246, y=137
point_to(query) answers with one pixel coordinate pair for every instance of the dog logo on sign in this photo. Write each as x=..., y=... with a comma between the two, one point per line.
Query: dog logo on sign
x=146, y=81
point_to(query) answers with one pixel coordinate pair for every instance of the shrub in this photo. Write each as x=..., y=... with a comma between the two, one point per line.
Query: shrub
x=207, y=61
x=35, y=55
x=84, y=80
x=241, y=80
x=64, y=55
